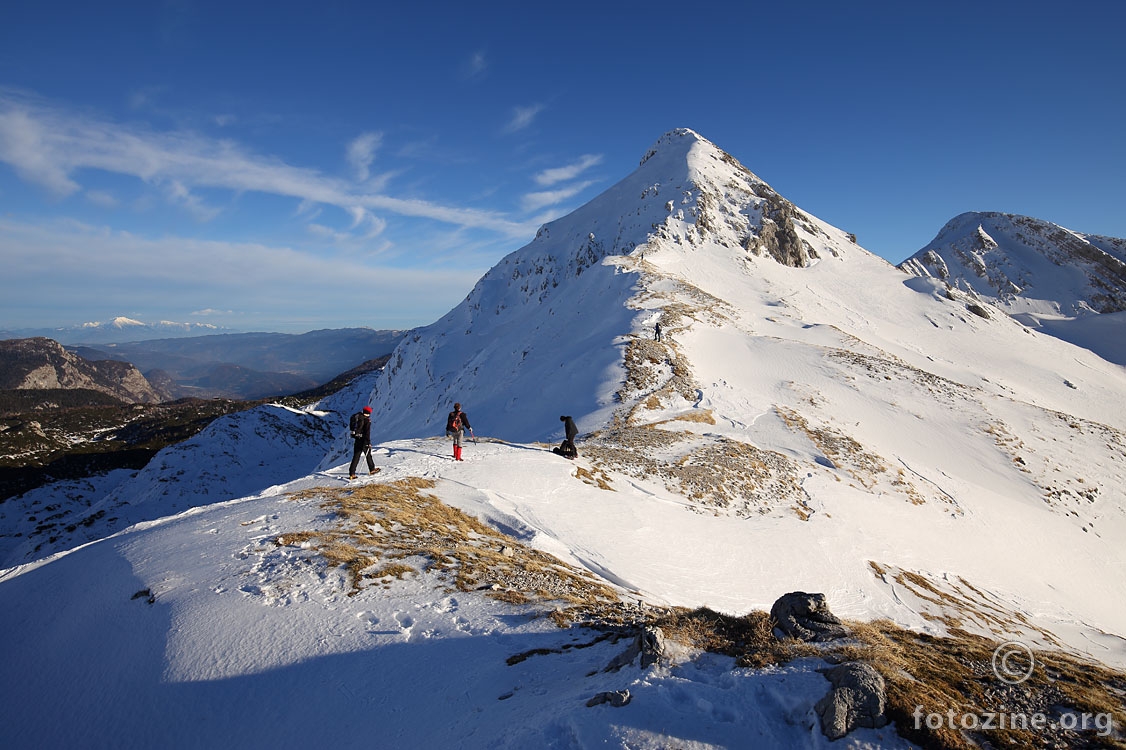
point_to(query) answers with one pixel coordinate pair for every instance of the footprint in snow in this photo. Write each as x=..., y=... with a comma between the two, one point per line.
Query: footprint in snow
x=406, y=622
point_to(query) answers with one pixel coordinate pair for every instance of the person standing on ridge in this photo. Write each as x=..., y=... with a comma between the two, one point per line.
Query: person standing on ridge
x=360, y=427
x=567, y=448
x=456, y=425
x=657, y=331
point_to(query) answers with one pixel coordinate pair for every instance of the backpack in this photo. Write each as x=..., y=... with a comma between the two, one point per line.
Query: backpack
x=356, y=425
x=456, y=423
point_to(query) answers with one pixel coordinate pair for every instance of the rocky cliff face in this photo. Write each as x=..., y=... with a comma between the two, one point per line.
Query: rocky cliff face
x=43, y=364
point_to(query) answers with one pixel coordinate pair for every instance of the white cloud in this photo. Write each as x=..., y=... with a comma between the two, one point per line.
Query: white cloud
x=47, y=145
x=208, y=313
x=361, y=154
x=536, y=201
x=25, y=146
x=101, y=198
x=569, y=172
x=522, y=117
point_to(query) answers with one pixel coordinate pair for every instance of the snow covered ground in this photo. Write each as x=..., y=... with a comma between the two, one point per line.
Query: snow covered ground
x=837, y=427
x=248, y=644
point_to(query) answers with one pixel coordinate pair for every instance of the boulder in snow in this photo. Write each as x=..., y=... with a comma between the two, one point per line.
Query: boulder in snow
x=857, y=699
x=806, y=617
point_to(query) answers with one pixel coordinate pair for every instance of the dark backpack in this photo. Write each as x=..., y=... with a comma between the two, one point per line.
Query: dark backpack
x=455, y=423
x=356, y=425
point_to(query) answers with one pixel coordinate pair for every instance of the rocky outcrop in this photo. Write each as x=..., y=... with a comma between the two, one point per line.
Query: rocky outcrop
x=778, y=236
x=858, y=699
x=806, y=617
x=649, y=645
x=43, y=364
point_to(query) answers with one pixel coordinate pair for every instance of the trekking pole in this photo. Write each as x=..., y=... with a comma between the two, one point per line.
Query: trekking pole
x=472, y=436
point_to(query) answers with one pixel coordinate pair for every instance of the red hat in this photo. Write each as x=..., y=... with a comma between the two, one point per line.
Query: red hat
x=367, y=410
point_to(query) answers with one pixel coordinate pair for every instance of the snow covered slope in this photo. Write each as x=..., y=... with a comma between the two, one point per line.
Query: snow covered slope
x=236, y=455
x=812, y=420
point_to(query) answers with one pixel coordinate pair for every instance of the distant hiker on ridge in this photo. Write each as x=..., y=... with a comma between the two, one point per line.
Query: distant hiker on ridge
x=456, y=424
x=567, y=447
x=657, y=331
x=360, y=427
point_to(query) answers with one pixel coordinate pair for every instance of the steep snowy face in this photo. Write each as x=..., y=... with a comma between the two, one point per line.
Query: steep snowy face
x=1027, y=265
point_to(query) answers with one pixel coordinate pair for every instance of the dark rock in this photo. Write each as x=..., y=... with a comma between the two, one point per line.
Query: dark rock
x=616, y=698
x=857, y=699
x=806, y=617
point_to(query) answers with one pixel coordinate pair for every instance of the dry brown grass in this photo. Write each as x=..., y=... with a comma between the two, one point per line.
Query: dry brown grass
x=397, y=529
x=713, y=472
x=938, y=675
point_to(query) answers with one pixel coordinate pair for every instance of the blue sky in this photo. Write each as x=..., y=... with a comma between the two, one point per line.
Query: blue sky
x=289, y=166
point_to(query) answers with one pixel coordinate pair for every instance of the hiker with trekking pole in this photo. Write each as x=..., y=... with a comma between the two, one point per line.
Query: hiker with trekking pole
x=456, y=424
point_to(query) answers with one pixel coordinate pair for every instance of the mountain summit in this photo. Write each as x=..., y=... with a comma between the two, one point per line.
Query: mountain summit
x=556, y=298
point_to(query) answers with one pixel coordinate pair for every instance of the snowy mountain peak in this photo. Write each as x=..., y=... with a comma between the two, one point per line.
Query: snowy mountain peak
x=1027, y=266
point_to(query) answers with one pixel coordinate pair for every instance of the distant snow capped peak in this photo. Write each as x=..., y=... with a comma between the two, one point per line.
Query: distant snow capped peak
x=1026, y=265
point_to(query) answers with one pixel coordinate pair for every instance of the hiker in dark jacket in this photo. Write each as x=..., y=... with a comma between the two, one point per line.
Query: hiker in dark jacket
x=567, y=447
x=361, y=442
x=456, y=425
x=569, y=429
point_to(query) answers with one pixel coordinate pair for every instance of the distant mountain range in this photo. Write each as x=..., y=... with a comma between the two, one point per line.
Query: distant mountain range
x=117, y=330
x=250, y=365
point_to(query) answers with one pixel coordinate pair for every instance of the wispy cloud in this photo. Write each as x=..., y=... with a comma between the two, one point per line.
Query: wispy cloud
x=522, y=117
x=536, y=201
x=179, y=194
x=48, y=146
x=475, y=66
x=569, y=172
x=361, y=154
